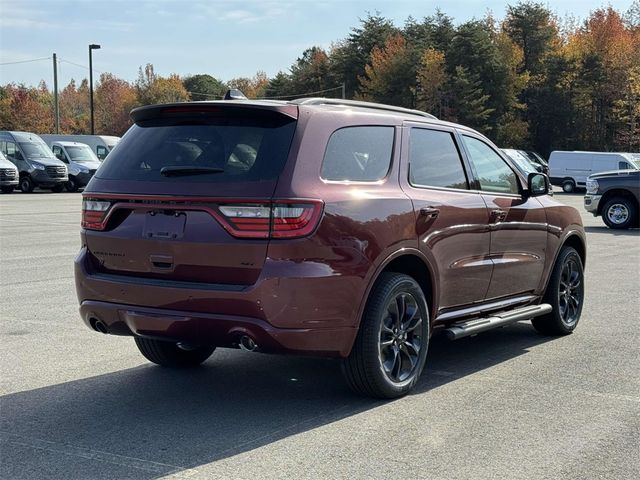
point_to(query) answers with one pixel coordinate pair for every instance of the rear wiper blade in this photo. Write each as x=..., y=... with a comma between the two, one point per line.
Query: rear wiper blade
x=183, y=170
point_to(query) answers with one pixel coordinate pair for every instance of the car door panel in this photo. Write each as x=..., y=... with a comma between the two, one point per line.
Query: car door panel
x=452, y=224
x=518, y=244
x=518, y=223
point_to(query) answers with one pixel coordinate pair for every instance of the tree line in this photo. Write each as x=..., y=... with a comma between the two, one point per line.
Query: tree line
x=530, y=80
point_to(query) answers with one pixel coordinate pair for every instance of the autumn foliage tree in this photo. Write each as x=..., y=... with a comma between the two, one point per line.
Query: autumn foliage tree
x=74, y=108
x=254, y=87
x=388, y=78
x=114, y=99
x=153, y=88
x=26, y=108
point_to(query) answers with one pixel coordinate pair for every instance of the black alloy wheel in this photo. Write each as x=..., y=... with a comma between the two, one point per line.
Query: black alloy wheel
x=570, y=291
x=390, y=350
x=565, y=294
x=400, y=337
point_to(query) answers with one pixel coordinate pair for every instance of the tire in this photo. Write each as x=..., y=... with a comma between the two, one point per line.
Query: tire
x=568, y=186
x=168, y=354
x=58, y=188
x=389, y=355
x=620, y=213
x=26, y=185
x=565, y=293
x=71, y=185
x=8, y=189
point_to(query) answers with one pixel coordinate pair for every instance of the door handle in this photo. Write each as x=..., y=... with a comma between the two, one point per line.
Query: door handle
x=429, y=212
x=498, y=215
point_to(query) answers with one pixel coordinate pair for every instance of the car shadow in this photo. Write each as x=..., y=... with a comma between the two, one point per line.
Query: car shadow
x=167, y=421
x=611, y=231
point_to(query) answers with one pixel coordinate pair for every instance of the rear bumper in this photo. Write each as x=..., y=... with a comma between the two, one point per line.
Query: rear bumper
x=212, y=329
x=283, y=315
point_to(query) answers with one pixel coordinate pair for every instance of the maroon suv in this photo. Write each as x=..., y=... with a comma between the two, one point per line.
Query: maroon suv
x=321, y=227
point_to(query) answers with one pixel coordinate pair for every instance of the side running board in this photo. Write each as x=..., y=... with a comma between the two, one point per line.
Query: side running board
x=477, y=325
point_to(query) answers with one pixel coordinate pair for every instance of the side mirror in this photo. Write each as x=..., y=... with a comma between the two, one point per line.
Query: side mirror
x=537, y=184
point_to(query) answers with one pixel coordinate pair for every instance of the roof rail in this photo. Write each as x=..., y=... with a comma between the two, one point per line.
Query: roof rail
x=356, y=103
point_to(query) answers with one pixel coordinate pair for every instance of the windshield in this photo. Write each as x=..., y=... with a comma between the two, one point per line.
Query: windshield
x=533, y=156
x=36, y=150
x=81, y=153
x=635, y=163
x=525, y=165
x=522, y=162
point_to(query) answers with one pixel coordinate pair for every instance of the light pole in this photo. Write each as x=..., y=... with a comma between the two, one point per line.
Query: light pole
x=92, y=47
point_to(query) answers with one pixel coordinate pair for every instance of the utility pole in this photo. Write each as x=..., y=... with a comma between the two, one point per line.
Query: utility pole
x=56, y=105
x=92, y=47
x=343, y=92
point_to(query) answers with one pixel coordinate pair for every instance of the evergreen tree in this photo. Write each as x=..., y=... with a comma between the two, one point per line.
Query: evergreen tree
x=204, y=87
x=469, y=101
x=279, y=86
x=530, y=26
x=431, y=81
x=350, y=56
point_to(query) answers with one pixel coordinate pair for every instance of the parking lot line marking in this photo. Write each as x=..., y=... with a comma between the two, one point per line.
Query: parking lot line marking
x=97, y=455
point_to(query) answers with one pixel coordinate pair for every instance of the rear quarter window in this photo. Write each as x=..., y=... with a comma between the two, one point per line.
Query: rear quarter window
x=358, y=154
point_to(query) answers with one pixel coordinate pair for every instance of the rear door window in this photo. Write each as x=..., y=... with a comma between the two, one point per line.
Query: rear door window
x=434, y=160
x=358, y=154
x=234, y=149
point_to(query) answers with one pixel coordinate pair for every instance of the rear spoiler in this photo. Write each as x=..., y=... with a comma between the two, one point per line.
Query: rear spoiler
x=214, y=108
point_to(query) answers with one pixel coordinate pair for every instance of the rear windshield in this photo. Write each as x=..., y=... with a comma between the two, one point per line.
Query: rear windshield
x=235, y=149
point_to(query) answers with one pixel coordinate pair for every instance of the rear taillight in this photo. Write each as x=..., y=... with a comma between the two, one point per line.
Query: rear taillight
x=276, y=219
x=247, y=221
x=94, y=214
x=280, y=219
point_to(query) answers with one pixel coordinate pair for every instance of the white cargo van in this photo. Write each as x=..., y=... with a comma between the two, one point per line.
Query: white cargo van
x=81, y=162
x=571, y=169
x=100, y=144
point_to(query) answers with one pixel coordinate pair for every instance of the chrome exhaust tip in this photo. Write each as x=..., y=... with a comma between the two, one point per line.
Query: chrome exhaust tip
x=248, y=344
x=99, y=326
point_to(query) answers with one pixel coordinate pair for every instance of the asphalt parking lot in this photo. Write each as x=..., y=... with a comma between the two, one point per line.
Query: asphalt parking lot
x=507, y=404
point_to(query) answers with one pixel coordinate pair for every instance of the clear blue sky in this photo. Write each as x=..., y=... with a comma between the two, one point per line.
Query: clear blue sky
x=223, y=38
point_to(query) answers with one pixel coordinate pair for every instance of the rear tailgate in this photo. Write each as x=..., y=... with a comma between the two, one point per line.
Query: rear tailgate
x=156, y=207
